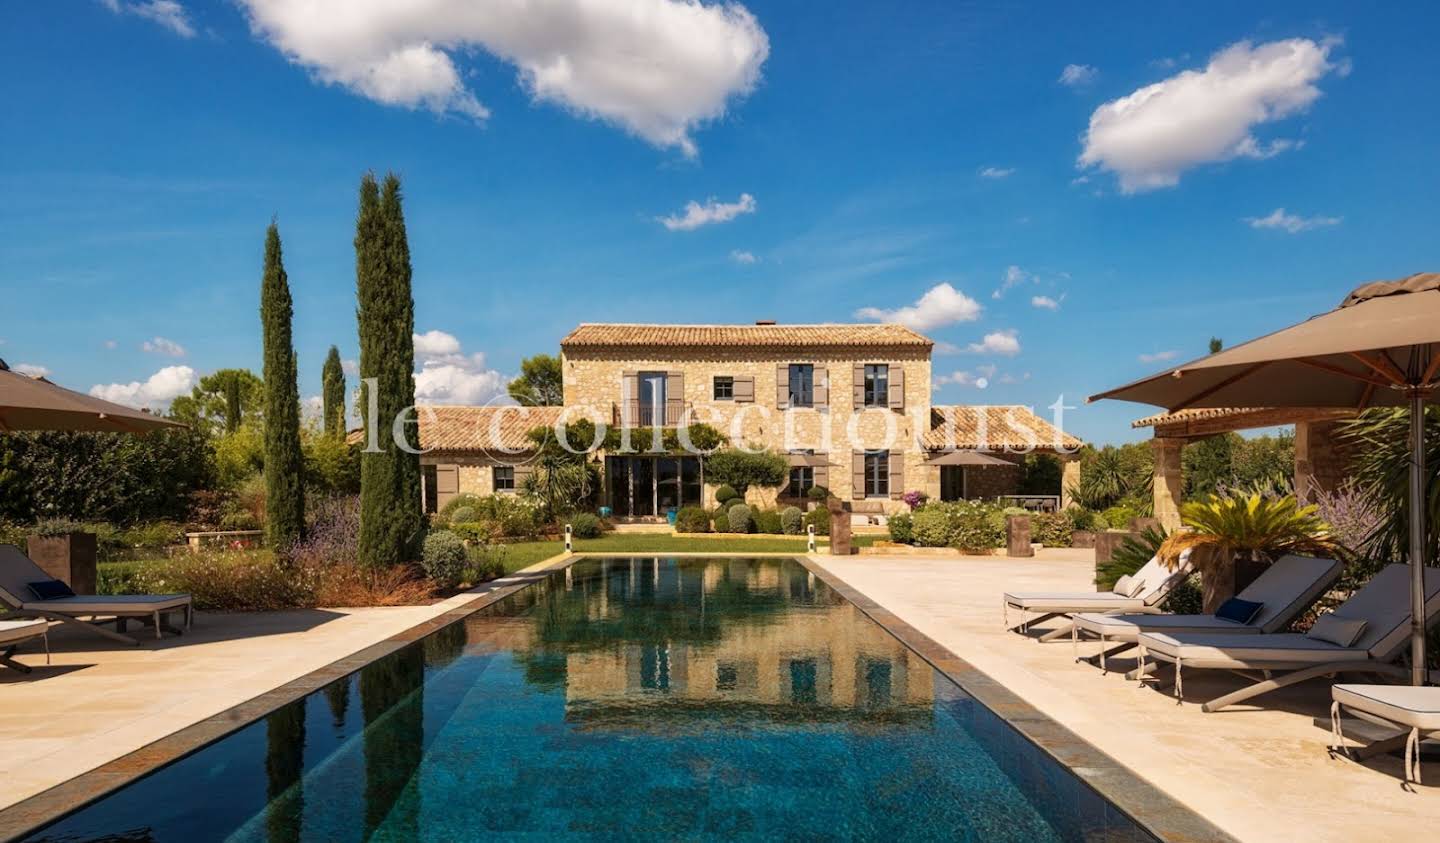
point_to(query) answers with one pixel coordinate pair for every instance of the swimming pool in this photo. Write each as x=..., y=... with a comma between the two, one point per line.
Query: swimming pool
x=662, y=698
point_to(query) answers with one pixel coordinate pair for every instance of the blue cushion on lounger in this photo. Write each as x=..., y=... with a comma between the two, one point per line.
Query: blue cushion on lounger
x=50, y=589
x=1240, y=611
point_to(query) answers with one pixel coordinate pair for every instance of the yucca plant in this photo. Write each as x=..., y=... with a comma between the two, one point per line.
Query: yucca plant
x=1225, y=532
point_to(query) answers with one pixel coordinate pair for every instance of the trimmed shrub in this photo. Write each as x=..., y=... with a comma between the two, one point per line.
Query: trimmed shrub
x=464, y=515
x=692, y=519
x=1118, y=517
x=820, y=519
x=740, y=519
x=464, y=499
x=930, y=527
x=767, y=521
x=443, y=558
x=720, y=520
x=792, y=521
x=725, y=493
x=586, y=526
x=818, y=493
x=1052, y=529
x=901, y=528
x=968, y=525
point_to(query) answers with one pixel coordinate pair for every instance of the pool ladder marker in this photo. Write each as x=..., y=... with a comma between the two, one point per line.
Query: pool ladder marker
x=569, y=544
x=809, y=538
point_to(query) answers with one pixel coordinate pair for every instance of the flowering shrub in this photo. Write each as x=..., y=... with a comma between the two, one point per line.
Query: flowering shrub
x=967, y=525
x=233, y=581
x=914, y=499
x=902, y=528
x=1052, y=529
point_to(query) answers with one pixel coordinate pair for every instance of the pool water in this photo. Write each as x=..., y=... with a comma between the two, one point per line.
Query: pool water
x=665, y=698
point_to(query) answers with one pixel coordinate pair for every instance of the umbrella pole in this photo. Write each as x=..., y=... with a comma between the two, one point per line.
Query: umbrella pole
x=1417, y=537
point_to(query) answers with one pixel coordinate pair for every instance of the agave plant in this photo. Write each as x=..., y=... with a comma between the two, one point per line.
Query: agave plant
x=1225, y=531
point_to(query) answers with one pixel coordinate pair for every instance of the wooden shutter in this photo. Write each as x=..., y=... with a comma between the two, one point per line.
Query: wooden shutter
x=674, y=397
x=782, y=386
x=822, y=387
x=857, y=475
x=858, y=381
x=897, y=388
x=629, y=398
x=522, y=471
x=744, y=388
x=897, y=473
x=447, y=484
x=822, y=473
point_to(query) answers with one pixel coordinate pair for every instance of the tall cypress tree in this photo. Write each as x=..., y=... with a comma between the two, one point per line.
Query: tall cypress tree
x=284, y=464
x=391, y=521
x=332, y=379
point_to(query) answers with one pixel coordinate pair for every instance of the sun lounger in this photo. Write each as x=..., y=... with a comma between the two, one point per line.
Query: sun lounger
x=18, y=572
x=1147, y=589
x=15, y=633
x=1284, y=590
x=1383, y=605
x=1413, y=710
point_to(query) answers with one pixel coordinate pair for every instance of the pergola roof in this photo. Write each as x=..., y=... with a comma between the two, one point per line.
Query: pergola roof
x=1199, y=422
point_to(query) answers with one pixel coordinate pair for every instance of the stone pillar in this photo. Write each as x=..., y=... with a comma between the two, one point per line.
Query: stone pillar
x=1069, y=479
x=1169, y=480
x=1304, y=469
x=1017, y=536
x=839, y=526
x=1322, y=458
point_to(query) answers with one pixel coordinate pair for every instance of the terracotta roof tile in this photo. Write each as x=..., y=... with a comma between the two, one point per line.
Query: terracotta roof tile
x=993, y=428
x=454, y=429
x=613, y=335
x=1191, y=414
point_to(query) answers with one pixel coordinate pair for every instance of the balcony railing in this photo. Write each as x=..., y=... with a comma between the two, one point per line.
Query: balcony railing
x=636, y=414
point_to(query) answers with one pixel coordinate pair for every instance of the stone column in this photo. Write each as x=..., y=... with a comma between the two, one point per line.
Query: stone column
x=1169, y=480
x=1304, y=469
x=1069, y=479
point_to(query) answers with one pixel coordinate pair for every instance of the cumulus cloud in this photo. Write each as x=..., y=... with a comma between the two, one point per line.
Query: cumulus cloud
x=156, y=392
x=743, y=257
x=1159, y=356
x=1151, y=136
x=964, y=378
x=942, y=304
x=1045, y=302
x=160, y=345
x=449, y=376
x=713, y=211
x=1292, y=223
x=996, y=172
x=1006, y=343
x=1077, y=75
x=168, y=13
x=656, y=68
x=31, y=369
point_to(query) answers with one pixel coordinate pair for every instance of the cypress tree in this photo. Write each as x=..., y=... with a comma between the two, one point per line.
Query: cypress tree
x=232, y=405
x=284, y=463
x=391, y=521
x=333, y=394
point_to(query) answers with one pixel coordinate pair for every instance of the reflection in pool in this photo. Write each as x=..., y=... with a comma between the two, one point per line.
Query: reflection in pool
x=624, y=698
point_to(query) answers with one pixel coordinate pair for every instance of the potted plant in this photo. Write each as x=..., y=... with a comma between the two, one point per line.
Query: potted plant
x=66, y=551
x=1232, y=539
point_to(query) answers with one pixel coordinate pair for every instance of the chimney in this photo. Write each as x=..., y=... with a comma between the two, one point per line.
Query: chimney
x=764, y=321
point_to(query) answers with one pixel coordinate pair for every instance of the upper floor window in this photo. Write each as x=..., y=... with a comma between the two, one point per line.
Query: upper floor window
x=724, y=388
x=802, y=385
x=504, y=478
x=877, y=385
x=877, y=474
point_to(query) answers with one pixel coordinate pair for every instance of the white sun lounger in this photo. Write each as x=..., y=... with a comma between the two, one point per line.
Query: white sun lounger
x=17, y=571
x=1156, y=583
x=1384, y=605
x=15, y=633
x=1286, y=588
x=1413, y=710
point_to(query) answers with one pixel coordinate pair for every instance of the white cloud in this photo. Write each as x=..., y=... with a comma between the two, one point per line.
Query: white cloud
x=160, y=345
x=312, y=409
x=1159, y=356
x=435, y=343
x=30, y=369
x=1077, y=75
x=1005, y=343
x=942, y=304
x=168, y=13
x=963, y=378
x=449, y=376
x=1292, y=223
x=156, y=392
x=1151, y=136
x=743, y=257
x=996, y=172
x=1045, y=302
x=1008, y=378
x=350, y=367
x=111, y=345
x=942, y=347
x=712, y=211
x=1014, y=276
x=656, y=68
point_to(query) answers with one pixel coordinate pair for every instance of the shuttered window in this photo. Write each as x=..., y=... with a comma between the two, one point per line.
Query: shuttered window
x=504, y=478
x=724, y=388
x=877, y=474
x=802, y=385
x=877, y=385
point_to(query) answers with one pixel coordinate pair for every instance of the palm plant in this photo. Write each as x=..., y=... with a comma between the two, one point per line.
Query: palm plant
x=1226, y=531
x=1381, y=465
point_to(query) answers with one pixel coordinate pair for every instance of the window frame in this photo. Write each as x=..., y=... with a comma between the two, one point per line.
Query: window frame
x=805, y=397
x=495, y=478
x=876, y=385
x=728, y=381
x=807, y=481
x=877, y=474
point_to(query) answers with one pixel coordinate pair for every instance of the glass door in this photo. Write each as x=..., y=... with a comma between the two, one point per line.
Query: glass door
x=652, y=399
x=642, y=476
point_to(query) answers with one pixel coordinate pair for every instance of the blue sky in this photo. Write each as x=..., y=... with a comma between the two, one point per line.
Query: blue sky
x=884, y=152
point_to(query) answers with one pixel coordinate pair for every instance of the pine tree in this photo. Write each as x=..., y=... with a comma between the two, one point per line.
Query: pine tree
x=284, y=463
x=391, y=521
x=332, y=393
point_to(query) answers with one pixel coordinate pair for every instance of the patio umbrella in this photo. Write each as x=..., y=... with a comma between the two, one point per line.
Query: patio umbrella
x=1380, y=347
x=28, y=403
x=967, y=458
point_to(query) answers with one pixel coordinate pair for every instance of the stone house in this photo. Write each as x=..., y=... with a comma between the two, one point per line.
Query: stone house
x=848, y=405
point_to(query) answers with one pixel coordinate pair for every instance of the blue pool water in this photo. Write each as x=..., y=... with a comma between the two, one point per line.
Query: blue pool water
x=626, y=698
